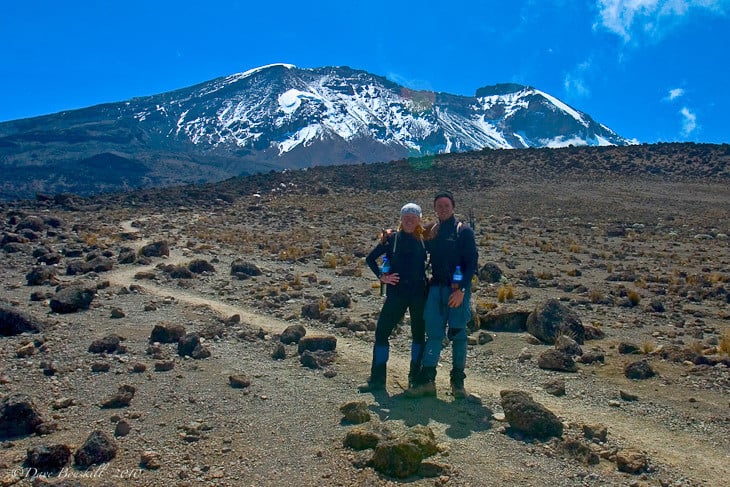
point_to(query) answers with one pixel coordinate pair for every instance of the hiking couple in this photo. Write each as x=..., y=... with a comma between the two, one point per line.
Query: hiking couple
x=435, y=305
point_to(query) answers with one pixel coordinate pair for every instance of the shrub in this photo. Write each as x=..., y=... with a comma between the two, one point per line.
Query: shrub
x=633, y=297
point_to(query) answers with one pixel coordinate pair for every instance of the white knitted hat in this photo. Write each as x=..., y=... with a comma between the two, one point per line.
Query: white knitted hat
x=411, y=209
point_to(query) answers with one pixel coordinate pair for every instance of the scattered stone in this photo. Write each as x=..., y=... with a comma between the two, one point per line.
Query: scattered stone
x=279, y=352
x=631, y=461
x=578, y=450
x=595, y=432
x=503, y=320
x=199, y=266
x=361, y=438
x=18, y=417
x=485, y=338
x=98, y=448
x=356, y=412
x=317, y=360
x=167, y=333
x=122, y=428
x=155, y=249
x=187, y=344
x=626, y=348
x=528, y=416
x=72, y=299
x=100, y=367
x=553, y=359
x=14, y=322
x=139, y=367
x=313, y=343
x=292, y=334
x=627, y=396
x=567, y=345
x=238, y=381
x=491, y=273
x=592, y=356
x=25, y=351
x=340, y=299
x=555, y=387
x=401, y=457
x=62, y=403
x=108, y=344
x=551, y=318
x=311, y=310
x=164, y=366
x=244, y=270
x=121, y=399
x=47, y=458
x=639, y=370
x=150, y=460
x=42, y=274
x=117, y=313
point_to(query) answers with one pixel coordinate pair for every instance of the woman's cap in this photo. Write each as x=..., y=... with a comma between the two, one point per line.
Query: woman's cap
x=411, y=209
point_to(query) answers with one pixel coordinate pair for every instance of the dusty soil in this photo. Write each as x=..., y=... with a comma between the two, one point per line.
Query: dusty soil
x=286, y=427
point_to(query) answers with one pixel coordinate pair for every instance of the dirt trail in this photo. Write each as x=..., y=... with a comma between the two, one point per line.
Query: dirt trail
x=685, y=451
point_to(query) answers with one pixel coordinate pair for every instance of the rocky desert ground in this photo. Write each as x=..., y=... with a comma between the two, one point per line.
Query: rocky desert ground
x=215, y=335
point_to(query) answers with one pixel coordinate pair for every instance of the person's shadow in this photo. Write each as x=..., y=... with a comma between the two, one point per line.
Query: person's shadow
x=463, y=416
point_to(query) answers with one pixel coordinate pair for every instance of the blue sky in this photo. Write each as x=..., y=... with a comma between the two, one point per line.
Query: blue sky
x=652, y=70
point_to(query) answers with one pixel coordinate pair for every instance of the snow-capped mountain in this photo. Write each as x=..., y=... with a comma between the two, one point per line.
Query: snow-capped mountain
x=280, y=116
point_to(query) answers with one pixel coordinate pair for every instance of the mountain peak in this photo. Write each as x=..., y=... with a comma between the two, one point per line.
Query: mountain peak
x=279, y=116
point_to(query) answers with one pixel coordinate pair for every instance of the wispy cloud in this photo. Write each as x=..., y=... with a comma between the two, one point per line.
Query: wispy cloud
x=689, y=121
x=575, y=83
x=675, y=93
x=651, y=18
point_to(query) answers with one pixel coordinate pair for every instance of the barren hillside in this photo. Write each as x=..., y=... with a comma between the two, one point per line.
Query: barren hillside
x=641, y=258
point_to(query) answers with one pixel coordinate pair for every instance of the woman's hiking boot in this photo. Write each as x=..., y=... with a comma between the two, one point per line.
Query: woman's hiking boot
x=376, y=382
x=426, y=384
x=457, y=384
x=414, y=374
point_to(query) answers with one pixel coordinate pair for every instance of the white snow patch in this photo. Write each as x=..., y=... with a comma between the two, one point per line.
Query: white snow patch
x=290, y=100
x=573, y=113
x=302, y=136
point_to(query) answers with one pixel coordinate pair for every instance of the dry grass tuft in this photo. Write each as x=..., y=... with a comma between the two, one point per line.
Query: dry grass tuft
x=724, y=345
x=505, y=292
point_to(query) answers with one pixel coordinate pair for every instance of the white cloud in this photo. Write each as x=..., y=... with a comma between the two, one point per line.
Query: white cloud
x=689, y=121
x=575, y=83
x=651, y=18
x=675, y=93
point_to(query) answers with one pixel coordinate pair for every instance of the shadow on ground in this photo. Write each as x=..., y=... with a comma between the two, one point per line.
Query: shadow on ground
x=462, y=417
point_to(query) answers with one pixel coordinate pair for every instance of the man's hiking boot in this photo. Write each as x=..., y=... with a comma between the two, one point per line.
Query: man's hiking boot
x=426, y=384
x=457, y=384
x=376, y=382
x=425, y=389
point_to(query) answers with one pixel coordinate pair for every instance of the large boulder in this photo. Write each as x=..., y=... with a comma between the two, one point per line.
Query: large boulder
x=401, y=457
x=98, y=448
x=155, y=249
x=18, y=417
x=14, y=322
x=528, y=416
x=72, y=299
x=551, y=318
x=47, y=458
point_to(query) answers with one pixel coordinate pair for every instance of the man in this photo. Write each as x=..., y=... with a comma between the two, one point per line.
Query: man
x=451, y=244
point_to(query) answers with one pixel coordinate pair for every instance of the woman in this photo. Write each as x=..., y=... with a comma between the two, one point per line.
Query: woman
x=406, y=289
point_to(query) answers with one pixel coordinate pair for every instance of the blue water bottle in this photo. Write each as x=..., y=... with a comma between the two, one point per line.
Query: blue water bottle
x=457, y=278
x=384, y=269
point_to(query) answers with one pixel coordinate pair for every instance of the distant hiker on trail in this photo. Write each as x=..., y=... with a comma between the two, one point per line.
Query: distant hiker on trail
x=405, y=283
x=454, y=260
